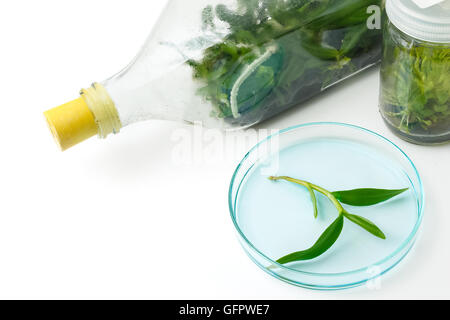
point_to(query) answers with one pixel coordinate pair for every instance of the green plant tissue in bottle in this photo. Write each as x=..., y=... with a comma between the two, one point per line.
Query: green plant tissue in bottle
x=415, y=73
x=279, y=53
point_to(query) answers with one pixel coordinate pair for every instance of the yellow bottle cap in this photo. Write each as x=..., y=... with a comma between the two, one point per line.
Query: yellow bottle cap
x=71, y=123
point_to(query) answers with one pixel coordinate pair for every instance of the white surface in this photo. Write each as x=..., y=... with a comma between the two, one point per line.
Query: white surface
x=120, y=219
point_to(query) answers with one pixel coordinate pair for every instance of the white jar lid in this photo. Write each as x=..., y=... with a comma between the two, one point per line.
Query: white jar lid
x=428, y=23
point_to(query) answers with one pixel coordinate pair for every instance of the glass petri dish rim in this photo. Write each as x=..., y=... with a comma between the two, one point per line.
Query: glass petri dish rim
x=420, y=194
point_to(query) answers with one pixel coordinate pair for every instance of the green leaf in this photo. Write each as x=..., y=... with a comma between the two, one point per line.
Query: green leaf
x=366, y=197
x=365, y=224
x=312, y=43
x=325, y=242
x=352, y=38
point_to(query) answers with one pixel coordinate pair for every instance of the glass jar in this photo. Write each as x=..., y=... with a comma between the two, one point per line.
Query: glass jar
x=415, y=71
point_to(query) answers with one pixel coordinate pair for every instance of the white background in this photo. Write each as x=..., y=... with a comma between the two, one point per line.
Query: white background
x=118, y=218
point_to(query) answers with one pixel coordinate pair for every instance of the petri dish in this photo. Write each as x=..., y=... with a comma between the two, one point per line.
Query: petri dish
x=274, y=219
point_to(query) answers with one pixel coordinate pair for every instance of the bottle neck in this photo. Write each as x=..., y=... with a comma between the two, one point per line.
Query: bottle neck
x=103, y=108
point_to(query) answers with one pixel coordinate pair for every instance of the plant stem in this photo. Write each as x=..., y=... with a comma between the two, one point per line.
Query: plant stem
x=308, y=185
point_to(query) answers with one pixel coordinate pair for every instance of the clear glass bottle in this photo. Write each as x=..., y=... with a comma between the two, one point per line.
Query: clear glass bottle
x=415, y=71
x=228, y=64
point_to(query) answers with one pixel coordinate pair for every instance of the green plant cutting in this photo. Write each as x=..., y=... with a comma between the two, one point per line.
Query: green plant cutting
x=357, y=197
x=279, y=53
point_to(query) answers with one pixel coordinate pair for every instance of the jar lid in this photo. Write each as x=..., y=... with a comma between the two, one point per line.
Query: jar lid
x=421, y=21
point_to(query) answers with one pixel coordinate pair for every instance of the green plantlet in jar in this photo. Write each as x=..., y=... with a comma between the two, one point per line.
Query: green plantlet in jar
x=415, y=85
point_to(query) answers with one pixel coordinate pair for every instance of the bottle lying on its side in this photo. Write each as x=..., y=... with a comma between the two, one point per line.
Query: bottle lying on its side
x=228, y=64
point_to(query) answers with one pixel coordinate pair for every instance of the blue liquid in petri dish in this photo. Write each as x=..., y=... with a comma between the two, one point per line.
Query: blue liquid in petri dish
x=278, y=219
